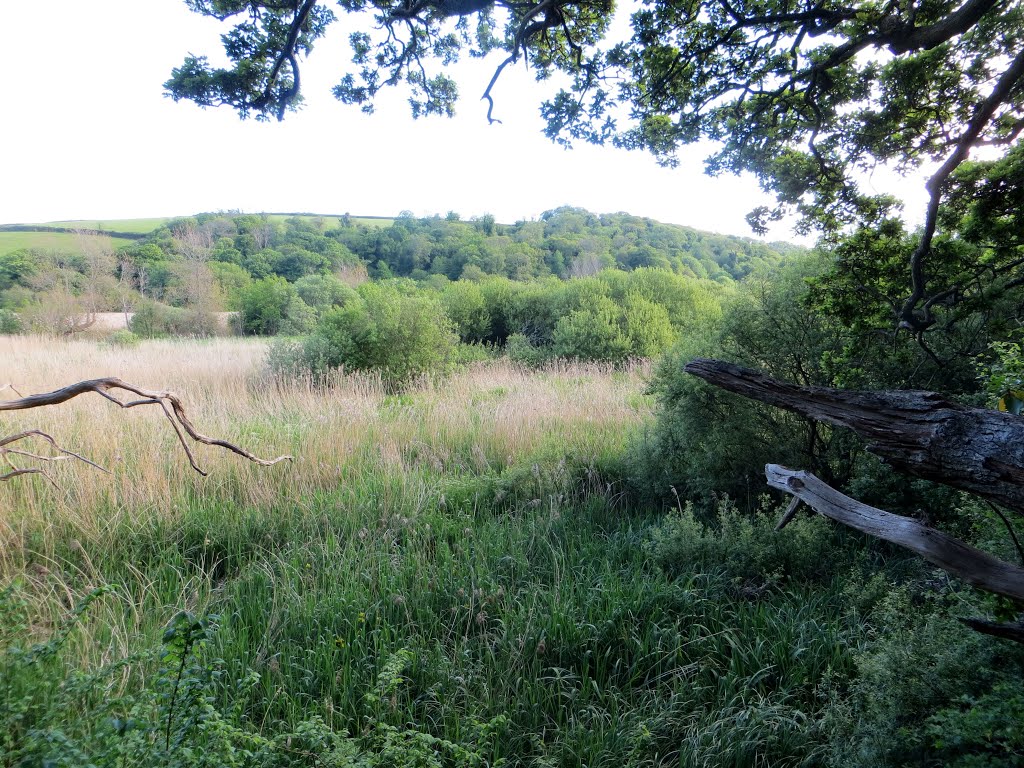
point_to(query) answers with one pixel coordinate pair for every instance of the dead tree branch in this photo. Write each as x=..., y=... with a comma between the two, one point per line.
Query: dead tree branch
x=920, y=433
x=168, y=402
x=950, y=554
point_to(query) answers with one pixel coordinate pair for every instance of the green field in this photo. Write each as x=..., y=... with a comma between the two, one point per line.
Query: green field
x=51, y=241
x=69, y=241
x=139, y=226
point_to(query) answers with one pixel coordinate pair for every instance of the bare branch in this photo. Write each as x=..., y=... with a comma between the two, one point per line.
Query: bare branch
x=951, y=555
x=169, y=403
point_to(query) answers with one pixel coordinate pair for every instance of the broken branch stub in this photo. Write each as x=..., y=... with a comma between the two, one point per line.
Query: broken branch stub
x=168, y=402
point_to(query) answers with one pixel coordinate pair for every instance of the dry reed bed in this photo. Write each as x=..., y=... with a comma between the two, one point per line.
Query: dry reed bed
x=491, y=414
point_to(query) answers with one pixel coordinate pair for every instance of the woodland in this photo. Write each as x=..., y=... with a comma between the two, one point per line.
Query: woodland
x=588, y=490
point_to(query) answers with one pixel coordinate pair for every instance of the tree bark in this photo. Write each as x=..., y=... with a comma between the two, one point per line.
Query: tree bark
x=920, y=433
x=951, y=555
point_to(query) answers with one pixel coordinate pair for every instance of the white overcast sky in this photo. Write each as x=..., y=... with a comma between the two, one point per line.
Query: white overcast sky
x=88, y=134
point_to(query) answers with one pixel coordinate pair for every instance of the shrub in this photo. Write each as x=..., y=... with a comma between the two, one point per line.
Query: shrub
x=264, y=306
x=299, y=318
x=400, y=335
x=593, y=334
x=123, y=338
x=929, y=691
x=521, y=351
x=321, y=292
x=465, y=306
x=9, y=322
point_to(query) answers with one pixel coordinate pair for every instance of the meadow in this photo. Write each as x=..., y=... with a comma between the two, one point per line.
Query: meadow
x=452, y=575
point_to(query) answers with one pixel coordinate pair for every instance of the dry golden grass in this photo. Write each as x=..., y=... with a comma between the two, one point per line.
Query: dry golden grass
x=490, y=415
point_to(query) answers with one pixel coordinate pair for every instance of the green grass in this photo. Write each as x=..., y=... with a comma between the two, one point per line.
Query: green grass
x=451, y=576
x=139, y=226
x=55, y=241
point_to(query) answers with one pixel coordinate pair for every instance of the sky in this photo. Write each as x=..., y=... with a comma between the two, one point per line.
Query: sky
x=88, y=134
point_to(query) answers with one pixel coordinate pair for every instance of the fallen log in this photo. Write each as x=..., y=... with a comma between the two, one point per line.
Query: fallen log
x=920, y=433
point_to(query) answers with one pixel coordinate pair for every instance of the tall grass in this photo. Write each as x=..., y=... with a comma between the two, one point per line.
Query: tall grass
x=454, y=565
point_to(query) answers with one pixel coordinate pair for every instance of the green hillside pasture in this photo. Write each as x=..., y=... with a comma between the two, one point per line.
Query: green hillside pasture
x=333, y=221
x=138, y=226
x=51, y=241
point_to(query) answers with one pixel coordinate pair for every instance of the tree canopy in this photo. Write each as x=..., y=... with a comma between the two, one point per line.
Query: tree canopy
x=805, y=94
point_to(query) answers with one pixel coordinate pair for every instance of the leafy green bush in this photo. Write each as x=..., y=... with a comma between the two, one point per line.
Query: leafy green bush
x=592, y=334
x=465, y=305
x=519, y=350
x=9, y=322
x=321, y=292
x=746, y=548
x=928, y=690
x=123, y=338
x=264, y=306
x=399, y=334
x=707, y=441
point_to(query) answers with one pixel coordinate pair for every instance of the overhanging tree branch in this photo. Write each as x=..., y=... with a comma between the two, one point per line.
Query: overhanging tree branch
x=920, y=433
x=974, y=566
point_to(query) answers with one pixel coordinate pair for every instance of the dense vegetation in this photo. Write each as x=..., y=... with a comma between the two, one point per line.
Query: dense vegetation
x=556, y=567
x=571, y=285
x=456, y=575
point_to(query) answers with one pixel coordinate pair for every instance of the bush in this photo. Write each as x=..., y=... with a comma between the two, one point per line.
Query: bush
x=707, y=441
x=593, y=334
x=264, y=306
x=153, y=320
x=521, y=351
x=746, y=549
x=465, y=306
x=123, y=338
x=930, y=691
x=9, y=322
x=402, y=336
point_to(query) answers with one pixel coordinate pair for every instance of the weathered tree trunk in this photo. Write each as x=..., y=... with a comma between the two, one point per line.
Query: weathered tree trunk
x=920, y=433
x=952, y=555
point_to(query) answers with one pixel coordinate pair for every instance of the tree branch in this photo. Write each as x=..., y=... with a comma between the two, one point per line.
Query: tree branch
x=169, y=403
x=921, y=433
x=951, y=555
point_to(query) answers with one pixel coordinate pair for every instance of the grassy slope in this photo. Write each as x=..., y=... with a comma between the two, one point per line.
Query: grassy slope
x=13, y=241
x=56, y=241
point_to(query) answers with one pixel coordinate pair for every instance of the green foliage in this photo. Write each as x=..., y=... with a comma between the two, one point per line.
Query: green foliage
x=153, y=320
x=567, y=242
x=929, y=691
x=466, y=307
x=519, y=350
x=398, y=334
x=592, y=334
x=1003, y=377
x=321, y=292
x=176, y=720
x=745, y=548
x=264, y=306
x=9, y=322
x=707, y=441
x=124, y=338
